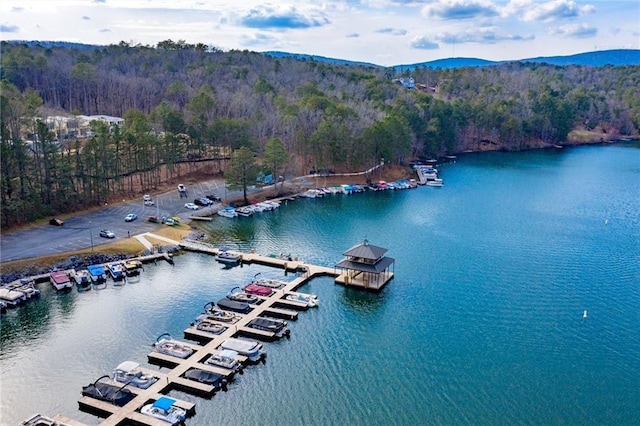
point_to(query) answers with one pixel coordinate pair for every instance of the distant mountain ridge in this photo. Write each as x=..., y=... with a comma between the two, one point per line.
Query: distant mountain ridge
x=598, y=58
x=616, y=57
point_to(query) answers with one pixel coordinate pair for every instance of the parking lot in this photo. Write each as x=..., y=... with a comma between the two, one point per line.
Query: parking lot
x=82, y=230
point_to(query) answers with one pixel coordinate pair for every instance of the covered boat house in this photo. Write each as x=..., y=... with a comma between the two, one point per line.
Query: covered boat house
x=365, y=266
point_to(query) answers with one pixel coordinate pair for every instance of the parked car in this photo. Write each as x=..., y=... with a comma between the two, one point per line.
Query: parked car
x=149, y=203
x=56, y=222
x=215, y=198
x=202, y=202
x=130, y=217
x=191, y=206
x=153, y=219
x=107, y=234
x=146, y=197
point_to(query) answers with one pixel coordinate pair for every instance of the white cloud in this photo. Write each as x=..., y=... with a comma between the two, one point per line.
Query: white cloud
x=555, y=10
x=422, y=42
x=575, y=31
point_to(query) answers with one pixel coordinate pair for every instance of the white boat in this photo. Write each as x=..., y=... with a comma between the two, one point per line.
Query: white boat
x=244, y=211
x=60, y=280
x=268, y=282
x=129, y=372
x=164, y=408
x=225, y=256
x=12, y=298
x=228, y=212
x=27, y=287
x=240, y=296
x=206, y=324
x=249, y=348
x=116, y=270
x=436, y=182
x=82, y=278
x=311, y=300
x=311, y=193
x=167, y=346
x=226, y=359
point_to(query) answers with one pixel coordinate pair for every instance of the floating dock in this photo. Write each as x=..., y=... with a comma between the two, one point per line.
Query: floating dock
x=275, y=305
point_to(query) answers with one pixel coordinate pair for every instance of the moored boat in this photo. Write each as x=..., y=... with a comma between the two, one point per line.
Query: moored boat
x=164, y=408
x=311, y=300
x=114, y=394
x=228, y=212
x=97, y=274
x=234, y=306
x=165, y=345
x=240, y=296
x=272, y=325
x=226, y=256
x=82, y=278
x=132, y=267
x=116, y=270
x=258, y=290
x=204, y=323
x=60, y=280
x=249, y=348
x=129, y=372
x=216, y=314
x=226, y=359
x=27, y=287
x=12, y=298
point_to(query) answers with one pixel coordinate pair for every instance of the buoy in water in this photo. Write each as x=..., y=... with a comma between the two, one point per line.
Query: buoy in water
x=584, y=314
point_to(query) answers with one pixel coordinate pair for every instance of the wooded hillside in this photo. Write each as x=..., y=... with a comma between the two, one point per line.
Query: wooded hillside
x=184, y=103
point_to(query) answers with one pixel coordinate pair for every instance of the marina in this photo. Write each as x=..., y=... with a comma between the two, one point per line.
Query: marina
x=493, y=274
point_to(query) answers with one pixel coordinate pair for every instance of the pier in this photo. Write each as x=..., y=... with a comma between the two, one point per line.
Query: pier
x=207, y=343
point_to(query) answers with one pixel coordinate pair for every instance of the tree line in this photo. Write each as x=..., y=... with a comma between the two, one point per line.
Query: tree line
x=241, y=112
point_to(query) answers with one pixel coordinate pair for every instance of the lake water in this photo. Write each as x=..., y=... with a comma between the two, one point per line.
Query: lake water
x=482, y=324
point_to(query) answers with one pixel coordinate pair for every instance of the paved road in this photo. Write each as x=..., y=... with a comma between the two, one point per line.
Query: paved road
x=82, y=231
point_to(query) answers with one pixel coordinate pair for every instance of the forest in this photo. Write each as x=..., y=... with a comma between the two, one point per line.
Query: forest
x=192, y=107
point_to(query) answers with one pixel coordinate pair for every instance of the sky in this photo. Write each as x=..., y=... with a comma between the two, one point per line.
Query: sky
x=383, y=32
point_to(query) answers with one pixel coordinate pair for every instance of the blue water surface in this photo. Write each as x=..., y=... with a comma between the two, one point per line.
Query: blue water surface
x=482, y=324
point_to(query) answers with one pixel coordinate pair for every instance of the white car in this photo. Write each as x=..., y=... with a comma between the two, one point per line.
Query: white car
x=148, y=202
x=146, y=197
x=191, y=206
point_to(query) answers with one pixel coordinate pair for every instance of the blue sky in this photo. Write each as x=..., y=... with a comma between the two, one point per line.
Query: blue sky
x=384, y=32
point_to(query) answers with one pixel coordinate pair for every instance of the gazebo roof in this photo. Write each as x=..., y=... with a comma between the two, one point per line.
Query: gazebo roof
x=366, y=251
x=377, y=267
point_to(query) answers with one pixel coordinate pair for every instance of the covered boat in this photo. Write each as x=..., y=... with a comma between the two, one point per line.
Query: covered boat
x=218, y=381
x=226, y=359
x=60, y=280
x=258, y=290
x=249, y=348
x=164, y=408
x=132, y=267
x=129, y=372
x=97, y=273
x=234, y=306
x=114, y=394
x=239, y=296
x=272, y=325
x=165, y=345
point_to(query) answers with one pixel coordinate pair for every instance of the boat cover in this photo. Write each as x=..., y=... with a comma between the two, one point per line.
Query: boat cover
x=164, y=403
x=267, y=324
x=233, y=305
x=107, y=392
x=203, y=376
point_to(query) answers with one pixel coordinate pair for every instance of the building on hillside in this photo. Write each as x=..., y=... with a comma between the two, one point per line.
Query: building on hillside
x=365, y=266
